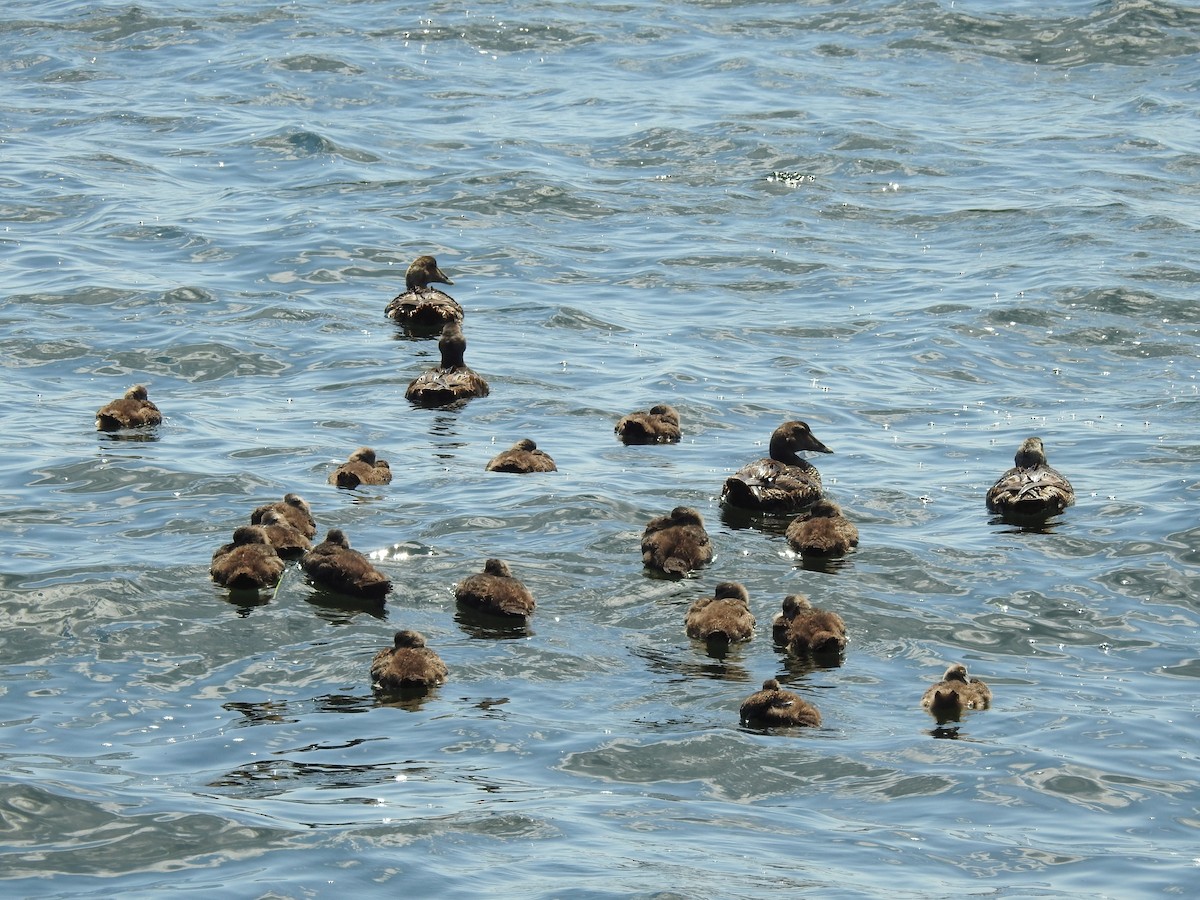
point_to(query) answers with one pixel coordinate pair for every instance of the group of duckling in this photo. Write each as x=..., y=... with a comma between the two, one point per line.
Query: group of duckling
x=675, y=544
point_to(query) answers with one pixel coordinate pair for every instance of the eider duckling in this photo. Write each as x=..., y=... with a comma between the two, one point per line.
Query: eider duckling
x=783, y=483
x=773, y=707
x=807, y=629
x=294, y=509
x=1031, y=489
x=522, y=458
x=332, y=564
x=134, y=410
x=724, y=617
x=657, y=425
x=283, y=535
x=248, y=562
x=361, y=468
x=407, y=664
x=453, y=379
x=822, y=530
x=677, y=543
x=955, y=693
x=422, y=307
x=495, y=591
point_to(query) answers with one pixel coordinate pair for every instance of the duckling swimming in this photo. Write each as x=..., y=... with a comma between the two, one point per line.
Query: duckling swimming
x=657, y=425
x=453, y=379
x=293, y=508
x=724, y=617
x=361, y=468
x=783, y=483
x=134, y=410
x=773, y=707
x=522, y=458
x=407, y=664
x=1031, y=489
x=955, y=693
x=822, y=530
x=806, y=629
x=677, y=543
x=422, y=307
x=332, y=564
x=495, y=591
x=287, y=540
x=248, y=562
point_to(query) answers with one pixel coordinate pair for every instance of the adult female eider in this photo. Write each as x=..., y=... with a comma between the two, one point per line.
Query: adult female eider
x=676, y=543
x=822, y=530
x=724, y=617
x=956, y=693
x=496, y=592
x=422, y=307
x=363, y=467
x=1031, y=489
x=782, y=483
x=292, y=507
x=134, y=410
x=248, y=562
x=806, y=629
x=333, y=564
x=773, y=707
x=657, y=425
x=453, y=379
x=408, y=664
x=522, y=458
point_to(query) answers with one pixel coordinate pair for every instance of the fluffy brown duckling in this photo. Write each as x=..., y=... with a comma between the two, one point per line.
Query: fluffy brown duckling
x=334, y=565
x=422, y=307
x=782, y=483
x=724, y=617
x=676, y=543
x=657, y=425
x=408, y=664
x=773, y=707
x=453, y=379
x=287, y=540
x=807, y=629
x=134, y=410
x=522, y=458
x=1031, y=488
x=363, y=467
x=495, y=591
x=248, y=562
x=294, y=509
x=822, y=530
x=955, y=694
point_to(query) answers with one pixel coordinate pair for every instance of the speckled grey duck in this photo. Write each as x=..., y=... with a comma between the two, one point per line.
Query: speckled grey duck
x=408, y=664
x=522, y=458
x=806, y=629
x=782, y=483
x=495, y=591
x=955, y=694
x=363, y=467
x=724, y=617
x=293, y=508
x=287, y=540
x=657, y=425
x=676, y=543
x=822, y=530
x=451, y=381
x=333, y=564
x=422, y=307
x=134, y=410
x=774, y=707
x=1031, y=489
x=248, y=562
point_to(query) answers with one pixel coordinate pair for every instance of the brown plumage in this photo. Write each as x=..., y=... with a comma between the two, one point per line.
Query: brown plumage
x=422, y=307
x=247, y=562
x=408, y=664
x=822, y=530
x=773, y=707
x=522, y=458
x=363, y=467
x=1031, y=489
x=657, y=425
x=294, y=509
x=451, y=381
x=334, y=565
x=495, y=591
x=283, y=536
x=956, y=693
x=676, y=543
x=806, y=629
x=134, y=410
x=724, y=617
x=782, y=483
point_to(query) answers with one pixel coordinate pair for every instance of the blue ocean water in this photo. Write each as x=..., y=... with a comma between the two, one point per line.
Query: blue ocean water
x=929, y=229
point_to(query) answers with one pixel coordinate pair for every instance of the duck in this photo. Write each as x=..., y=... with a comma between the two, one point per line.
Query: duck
x=956, y=693
x=1031, y=488
x=334, y=565
x=724, y=617
x=248, y=562
x=495, y=591
x=822, y=530
x=407, y=664
x=294, y=509
x=453, y=379
x=676, y=543
x=782, y=483
x=134, y=410
x=287, y=540
x=806, y=629
x=657, y=425
x=774, y=707
x=422, y=307
x=522, y=458
x=363, y=467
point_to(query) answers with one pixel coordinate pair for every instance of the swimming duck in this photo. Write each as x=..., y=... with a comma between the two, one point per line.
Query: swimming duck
x=955, y=693
x=676, y=543
x=495, y=591
x=724, y=617
x=407, y=664
x=332, y=564
x=657, y=425
x=822, y=530
x=807, y=629
x=248, y=562
x=287, y=540
x=773, y=707
x=1031, y=489
x=522, y=458
x=783, y=483
x=134, y=410
x=421, y=306
x=361, y=468
x=293, y=508
x=453, y=379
